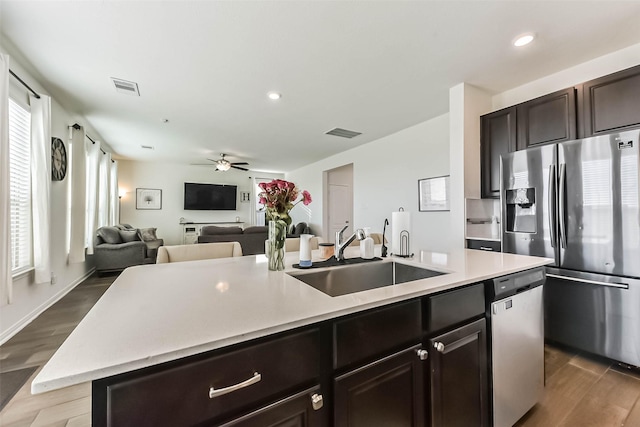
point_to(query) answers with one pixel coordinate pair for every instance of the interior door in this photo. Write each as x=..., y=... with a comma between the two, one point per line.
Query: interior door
x=598, y=200
x=339, y=209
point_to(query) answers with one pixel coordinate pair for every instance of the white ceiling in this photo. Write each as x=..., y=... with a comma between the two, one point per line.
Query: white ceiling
x=372, y=67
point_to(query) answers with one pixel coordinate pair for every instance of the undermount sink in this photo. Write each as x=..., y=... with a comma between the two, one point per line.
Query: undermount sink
x=361, y=277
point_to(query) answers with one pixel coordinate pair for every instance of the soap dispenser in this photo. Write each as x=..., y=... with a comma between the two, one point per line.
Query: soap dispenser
x=366, y=244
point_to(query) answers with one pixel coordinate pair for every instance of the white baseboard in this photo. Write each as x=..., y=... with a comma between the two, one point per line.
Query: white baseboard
x=18, y=326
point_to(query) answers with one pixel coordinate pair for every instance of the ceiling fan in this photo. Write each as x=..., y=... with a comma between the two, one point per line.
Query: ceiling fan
x=224, y=165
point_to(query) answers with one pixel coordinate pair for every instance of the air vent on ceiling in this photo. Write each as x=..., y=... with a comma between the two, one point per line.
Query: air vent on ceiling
x=124, y=86
x=147, y=147
x=343, y=133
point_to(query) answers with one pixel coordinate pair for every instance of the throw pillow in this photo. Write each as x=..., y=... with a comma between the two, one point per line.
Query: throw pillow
x=110, y=234
x=129, y=235
x=148, y=234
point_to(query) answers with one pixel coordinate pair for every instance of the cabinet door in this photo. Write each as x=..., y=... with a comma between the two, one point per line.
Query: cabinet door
x=612, y=103
x=388, y=392
x=458, y=381
x=548, y=119
x=305, y=409
x=498, y=137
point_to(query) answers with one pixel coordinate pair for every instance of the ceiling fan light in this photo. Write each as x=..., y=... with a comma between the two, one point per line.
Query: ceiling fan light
x=223, y=165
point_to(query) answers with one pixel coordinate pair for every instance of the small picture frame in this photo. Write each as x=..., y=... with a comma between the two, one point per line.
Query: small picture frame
x=433, y=194
x=148, y=198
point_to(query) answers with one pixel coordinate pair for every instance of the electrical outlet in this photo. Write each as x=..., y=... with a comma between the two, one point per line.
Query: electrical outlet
x=54, y=279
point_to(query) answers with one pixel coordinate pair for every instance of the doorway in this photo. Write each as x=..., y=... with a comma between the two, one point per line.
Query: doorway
x=338, y=211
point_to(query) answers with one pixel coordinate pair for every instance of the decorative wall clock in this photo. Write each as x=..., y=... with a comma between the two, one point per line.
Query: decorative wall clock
x=58, y=159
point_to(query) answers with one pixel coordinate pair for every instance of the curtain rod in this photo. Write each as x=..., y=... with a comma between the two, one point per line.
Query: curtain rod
x=77, y=127
x=24, y=84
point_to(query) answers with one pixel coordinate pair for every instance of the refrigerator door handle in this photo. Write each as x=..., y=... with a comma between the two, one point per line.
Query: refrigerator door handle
x=592, y=282
x=561, y=197
x=552, y=204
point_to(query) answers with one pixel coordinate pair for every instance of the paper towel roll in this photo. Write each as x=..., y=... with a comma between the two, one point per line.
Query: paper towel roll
x=305, y=250
x=401, y=233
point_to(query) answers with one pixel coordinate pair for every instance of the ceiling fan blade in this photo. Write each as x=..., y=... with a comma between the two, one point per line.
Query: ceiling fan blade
x=201, y=164
x=239, y=163
x=214, y=161
x=238, y=167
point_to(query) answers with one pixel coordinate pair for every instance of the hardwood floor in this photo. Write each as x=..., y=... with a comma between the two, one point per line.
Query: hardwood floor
x=580, y=391
x=34, y=346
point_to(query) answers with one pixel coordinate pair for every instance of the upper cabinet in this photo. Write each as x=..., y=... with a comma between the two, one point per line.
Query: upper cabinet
x=498, y=137
x=548, y=119
x=612, y=103
x=604, y=105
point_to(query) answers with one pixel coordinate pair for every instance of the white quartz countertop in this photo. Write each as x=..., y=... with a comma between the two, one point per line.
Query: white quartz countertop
x=157, y=313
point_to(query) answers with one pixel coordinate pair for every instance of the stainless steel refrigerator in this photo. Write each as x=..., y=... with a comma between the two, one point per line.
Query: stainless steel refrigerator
x=577, y=203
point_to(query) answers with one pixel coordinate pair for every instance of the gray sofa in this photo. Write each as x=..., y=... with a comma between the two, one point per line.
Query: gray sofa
x=251, y=238
x=118, y=247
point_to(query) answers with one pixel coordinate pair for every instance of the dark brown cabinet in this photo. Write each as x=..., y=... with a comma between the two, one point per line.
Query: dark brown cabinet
x=458, y=377
x=301, y=410
x=498, y=137
x=387, y=392
x=547, y=120
x=612, y=103
x=484, y=245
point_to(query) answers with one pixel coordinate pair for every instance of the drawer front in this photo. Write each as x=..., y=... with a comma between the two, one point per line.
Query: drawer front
x=484, y=245
x=375, y=333
x=181, y=395
x=453, y=307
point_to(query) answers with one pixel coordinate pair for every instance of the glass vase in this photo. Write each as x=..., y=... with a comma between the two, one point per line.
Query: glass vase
x=275, y=244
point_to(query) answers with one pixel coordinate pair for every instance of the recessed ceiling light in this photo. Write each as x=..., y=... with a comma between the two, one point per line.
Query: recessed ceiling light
x=523, y=40
x=165, y=120
x=274, y=95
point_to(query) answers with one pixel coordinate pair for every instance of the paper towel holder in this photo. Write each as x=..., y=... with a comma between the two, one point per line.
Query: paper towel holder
x=404, y=242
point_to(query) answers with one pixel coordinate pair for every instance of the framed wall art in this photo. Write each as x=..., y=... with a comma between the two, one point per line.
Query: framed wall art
x=433, y=194
x=148, y=198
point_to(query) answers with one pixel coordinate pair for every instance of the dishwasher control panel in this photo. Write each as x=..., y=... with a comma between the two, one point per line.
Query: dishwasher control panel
x=505, y=286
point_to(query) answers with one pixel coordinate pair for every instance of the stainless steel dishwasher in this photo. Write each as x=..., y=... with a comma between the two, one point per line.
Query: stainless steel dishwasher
x=517, y=344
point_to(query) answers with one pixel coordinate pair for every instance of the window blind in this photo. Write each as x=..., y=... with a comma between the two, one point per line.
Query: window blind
x=20, y=186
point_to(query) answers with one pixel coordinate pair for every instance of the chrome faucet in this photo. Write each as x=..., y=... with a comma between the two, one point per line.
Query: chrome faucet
x=340, y=245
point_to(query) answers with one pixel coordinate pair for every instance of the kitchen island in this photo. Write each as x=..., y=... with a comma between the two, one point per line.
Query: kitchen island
x=158, y=314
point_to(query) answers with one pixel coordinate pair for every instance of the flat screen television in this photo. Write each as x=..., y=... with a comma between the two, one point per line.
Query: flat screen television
x=209, y=197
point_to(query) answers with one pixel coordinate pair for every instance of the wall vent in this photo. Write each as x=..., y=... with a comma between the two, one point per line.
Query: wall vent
x=343, y=133
x=147, y=147
x=124, y=86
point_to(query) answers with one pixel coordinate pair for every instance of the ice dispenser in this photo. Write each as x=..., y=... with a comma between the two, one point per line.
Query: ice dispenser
x=521, y=210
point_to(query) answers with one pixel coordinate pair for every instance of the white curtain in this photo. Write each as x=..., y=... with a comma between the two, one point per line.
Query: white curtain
x=114, y=201
x=78, y=208
x=104, y=192
x=92, y=168
x=40, y=185
x=6, y=282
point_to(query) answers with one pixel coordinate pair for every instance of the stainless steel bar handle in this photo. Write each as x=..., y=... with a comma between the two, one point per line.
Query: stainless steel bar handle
x=592, y=282
x=563, y=228
x=486, y=248
x=552, y=204
x=221, y=391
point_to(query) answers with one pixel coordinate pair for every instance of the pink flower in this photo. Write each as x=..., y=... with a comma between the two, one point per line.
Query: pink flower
x=306, y=197
x=279, y=197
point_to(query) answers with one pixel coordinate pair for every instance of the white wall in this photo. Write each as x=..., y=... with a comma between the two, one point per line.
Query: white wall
x=385, y=177
x=30, y=299
x=170, y=178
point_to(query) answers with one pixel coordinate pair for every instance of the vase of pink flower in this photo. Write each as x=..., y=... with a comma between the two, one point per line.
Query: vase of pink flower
x=279, y=197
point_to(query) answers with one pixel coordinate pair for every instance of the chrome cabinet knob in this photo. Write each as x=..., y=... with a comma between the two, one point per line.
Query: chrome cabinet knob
x=438, y=346
x=422, y=354
x=316, y=401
